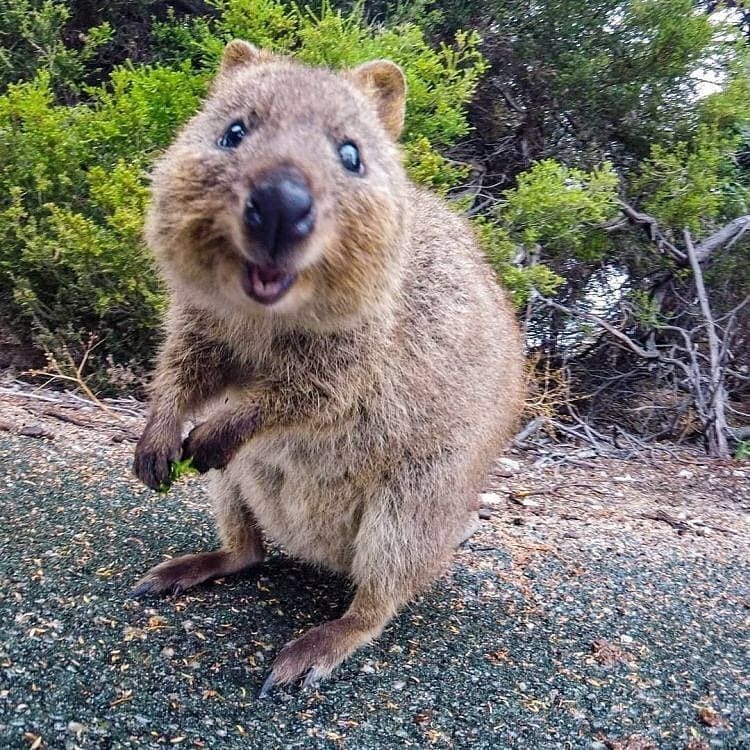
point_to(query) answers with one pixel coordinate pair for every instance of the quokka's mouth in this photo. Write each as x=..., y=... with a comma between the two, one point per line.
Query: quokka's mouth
x=266, y=284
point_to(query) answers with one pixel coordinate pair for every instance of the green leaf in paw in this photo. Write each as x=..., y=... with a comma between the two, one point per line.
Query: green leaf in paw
x=177, y=470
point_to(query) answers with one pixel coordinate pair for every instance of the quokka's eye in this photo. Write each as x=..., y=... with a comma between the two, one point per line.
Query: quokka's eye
x=349, y=155
x=233, y=135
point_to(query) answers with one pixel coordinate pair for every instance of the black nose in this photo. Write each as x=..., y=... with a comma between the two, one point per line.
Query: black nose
x=279, y=211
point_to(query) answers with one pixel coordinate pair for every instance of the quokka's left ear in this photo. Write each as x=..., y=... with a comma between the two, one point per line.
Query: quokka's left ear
x=384, y=82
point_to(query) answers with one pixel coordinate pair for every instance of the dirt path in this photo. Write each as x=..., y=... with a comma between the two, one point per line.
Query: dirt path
x=603, y=604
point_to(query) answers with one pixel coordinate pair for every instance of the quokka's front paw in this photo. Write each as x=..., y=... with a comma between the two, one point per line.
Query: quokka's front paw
x=153, y=455
x=212, y=445
x=205, y=446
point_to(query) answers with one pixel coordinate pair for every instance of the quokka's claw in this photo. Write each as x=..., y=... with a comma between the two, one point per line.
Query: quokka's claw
x=268, y=686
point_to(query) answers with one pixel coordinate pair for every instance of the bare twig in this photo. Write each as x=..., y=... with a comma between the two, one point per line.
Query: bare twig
x=694, y=525
x=517, y=496
x=675, y=523
x=73, y=373
x=63, y=417
x=591, y=318
x=531, y=428
x=126, y=407
x=739, y=433
x=479, y=207
x=717, y=427
x=652, y=228
x=510, y=101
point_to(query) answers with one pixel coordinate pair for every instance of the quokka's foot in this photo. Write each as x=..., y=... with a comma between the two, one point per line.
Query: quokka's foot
x=472, y=526
x=175, y=576
x=316, y=653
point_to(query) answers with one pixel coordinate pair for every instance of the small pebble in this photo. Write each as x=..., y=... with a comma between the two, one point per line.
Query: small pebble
x=509, y=464
x=35, y=431
x=490, y=498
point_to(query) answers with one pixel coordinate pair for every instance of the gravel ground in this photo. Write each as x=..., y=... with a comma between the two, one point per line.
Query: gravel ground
x=604, y=604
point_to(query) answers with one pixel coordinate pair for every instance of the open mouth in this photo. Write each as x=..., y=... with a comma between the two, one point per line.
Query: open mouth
x=266, y=284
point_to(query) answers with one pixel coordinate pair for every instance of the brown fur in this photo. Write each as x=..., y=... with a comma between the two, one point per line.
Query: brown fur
x=355, y=419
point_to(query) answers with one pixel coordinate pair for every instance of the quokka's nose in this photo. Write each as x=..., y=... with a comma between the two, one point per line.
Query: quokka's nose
x=280, y=211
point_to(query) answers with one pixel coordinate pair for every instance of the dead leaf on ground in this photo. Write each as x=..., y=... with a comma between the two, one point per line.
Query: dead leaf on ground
x=498, y=656
x=607, y=653
x=634, y=742
x=710, y=717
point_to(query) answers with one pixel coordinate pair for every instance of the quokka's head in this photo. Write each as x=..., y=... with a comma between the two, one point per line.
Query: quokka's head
x=285, y=194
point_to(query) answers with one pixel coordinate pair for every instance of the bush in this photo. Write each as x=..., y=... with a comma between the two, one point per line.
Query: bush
x=555, y=208
x=31, y=41
x=73, y=187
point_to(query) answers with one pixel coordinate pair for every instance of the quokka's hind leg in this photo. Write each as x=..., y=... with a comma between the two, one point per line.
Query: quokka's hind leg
x=242, y=548
x=397, y=555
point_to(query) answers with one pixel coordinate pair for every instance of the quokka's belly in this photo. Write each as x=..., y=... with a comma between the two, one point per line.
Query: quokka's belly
x=305, y=495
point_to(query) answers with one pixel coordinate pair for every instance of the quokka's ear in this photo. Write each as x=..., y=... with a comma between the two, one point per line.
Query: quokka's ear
x=384, y=82
x=237, y=54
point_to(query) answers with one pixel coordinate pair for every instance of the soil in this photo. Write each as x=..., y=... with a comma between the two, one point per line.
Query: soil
x=602, y=604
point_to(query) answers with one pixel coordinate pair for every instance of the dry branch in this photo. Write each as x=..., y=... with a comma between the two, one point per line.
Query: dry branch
x=726, y=236
x=531, y=428
x=72, y=372
x=717, y=423
x=591, y=318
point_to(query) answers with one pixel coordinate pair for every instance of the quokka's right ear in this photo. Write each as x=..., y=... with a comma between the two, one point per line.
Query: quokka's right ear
x=239, y=53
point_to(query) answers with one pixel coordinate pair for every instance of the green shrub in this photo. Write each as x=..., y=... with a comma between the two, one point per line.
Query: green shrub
x=73, y=191
x=556, y=206
x=553, y=211
x=441, y=82
x=31, y=41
